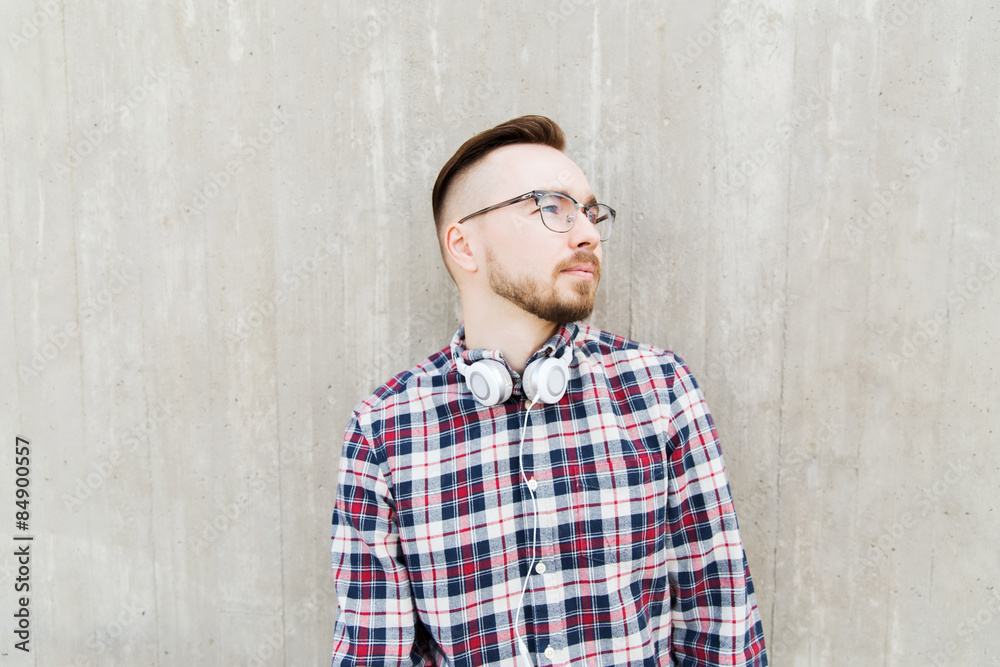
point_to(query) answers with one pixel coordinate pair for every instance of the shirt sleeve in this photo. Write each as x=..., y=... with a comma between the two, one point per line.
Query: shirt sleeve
x=714, y=610
x=376, y=622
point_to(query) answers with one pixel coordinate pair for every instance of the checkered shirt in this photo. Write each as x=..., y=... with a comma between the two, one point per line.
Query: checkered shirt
x=635, y=557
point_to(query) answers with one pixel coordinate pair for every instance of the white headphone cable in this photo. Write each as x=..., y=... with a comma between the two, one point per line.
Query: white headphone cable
x=521, y=645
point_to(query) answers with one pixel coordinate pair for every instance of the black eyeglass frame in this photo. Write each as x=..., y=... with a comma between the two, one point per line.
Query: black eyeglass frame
x=537, y=195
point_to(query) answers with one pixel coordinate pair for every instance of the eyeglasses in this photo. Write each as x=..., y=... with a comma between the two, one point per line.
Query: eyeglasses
x=558, y=211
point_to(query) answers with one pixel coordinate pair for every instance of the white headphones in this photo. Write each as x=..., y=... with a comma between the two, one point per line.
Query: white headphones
x=545, y=380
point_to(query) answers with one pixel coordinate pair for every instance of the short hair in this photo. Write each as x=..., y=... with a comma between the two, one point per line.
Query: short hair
x=522, y=130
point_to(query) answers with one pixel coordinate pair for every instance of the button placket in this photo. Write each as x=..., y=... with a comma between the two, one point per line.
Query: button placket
x=556, y=656
x=545, y=501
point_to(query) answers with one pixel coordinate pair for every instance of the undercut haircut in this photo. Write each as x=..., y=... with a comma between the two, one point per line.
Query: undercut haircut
x=522, y=130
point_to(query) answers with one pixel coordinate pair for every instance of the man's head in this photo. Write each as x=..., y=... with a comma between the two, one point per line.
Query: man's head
x=508, y=252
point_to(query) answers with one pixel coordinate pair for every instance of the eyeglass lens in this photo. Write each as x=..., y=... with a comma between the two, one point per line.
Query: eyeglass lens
x=559, y=213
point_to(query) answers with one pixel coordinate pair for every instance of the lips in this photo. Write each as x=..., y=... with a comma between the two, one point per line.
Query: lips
x=583, y=271
x=583, y=265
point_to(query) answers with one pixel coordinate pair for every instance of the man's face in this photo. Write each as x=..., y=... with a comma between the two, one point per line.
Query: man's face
x=551, y=275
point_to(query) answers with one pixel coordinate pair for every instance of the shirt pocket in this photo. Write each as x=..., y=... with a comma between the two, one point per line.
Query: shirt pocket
x=619, y=509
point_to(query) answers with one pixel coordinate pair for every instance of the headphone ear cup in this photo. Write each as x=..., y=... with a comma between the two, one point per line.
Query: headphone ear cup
x=546, y=380
x=489, y=382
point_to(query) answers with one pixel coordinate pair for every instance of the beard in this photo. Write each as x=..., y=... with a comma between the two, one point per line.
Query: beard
x=545, y=302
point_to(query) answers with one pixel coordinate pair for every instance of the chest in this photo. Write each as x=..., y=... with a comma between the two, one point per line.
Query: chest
x=584, y=486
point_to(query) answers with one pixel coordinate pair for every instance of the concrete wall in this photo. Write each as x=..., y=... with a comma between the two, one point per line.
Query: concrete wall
x=216, y=239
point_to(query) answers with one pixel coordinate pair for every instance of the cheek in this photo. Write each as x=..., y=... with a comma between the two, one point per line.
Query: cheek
x=535, y=251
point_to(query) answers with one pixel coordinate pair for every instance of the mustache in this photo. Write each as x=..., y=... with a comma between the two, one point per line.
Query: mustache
x=581, y=257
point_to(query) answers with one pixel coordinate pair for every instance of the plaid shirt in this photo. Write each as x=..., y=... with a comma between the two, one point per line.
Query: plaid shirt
x=635, y=556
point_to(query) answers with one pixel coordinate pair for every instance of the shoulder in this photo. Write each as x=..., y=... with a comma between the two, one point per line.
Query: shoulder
x=622, y=356
x=430, y=376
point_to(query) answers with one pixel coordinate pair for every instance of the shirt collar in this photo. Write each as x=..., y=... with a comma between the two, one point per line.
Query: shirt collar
x=554, y=346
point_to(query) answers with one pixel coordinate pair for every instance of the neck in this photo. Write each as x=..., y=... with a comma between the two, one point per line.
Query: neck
x=497, y=324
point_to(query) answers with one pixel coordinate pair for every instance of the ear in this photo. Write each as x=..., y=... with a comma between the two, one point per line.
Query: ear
x=459, y=248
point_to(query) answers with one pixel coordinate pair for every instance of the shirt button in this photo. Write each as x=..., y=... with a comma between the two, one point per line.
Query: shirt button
x=550, y=652
x=540, y=569
x=532, y=483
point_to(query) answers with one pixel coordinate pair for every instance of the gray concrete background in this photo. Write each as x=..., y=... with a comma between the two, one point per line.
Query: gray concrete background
x=217, y=238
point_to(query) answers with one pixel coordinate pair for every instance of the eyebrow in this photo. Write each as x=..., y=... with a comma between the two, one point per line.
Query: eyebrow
x=592, y=199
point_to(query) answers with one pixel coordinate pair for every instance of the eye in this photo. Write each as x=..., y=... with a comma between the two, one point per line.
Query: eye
x=552, y=205
x=594, y=215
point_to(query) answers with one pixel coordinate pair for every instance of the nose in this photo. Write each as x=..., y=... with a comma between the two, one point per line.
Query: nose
x=584, y=234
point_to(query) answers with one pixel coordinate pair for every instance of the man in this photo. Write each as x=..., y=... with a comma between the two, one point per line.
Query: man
x=539, y=492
